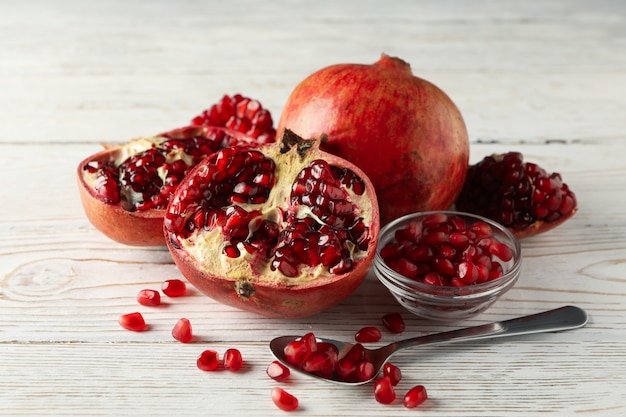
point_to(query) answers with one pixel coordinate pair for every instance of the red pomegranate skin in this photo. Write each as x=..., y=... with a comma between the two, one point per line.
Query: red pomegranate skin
x=134, y=228
x=404, y=132
x=130, y=228
x=275, y=301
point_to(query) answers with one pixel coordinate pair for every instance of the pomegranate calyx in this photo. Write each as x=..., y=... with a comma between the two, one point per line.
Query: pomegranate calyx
x=395, y=63
x=289, y=139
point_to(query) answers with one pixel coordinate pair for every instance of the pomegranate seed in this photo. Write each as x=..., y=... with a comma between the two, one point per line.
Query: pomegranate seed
x=433, y=278
x=233, y=360
x=296, y=352
x=277, y=371
x=133, y=321
x=407, y=268
x=501, y=250
x=174, y=288
x=415, y=396
x=182, y=331
x=393, y=373
x=467, y=272
x=364, y=370
x=346, y=369
x=327, y=347
x=393, y=322
x=310, y=340
x=322, y=362
x=208, y=360
x=368, y=334
x=107, y=188
x=284, y=400
x=383, y=391
x=149, y=298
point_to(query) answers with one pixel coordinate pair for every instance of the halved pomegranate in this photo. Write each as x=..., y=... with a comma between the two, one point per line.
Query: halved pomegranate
x=125, y=188
x=283, y=230
x=521, y=196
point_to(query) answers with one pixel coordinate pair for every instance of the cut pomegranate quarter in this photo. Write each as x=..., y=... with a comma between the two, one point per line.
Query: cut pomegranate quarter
x=520, y=195
x=126, y=188
x=283, y=230
x=356, y=365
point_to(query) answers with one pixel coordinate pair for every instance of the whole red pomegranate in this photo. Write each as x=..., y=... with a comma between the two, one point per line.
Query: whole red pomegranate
x=404, y=132
x=283, y=230
x=125, y=188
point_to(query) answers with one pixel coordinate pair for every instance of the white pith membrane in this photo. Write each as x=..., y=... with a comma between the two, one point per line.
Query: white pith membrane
x=136, y=146
x=206, y=248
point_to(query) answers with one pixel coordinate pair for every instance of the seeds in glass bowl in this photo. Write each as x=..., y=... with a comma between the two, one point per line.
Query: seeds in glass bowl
x=446, y=250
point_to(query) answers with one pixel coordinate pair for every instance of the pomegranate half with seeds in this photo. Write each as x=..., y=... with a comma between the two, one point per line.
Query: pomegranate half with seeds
x=405, y=133
x=125, y=188
x=283, y=230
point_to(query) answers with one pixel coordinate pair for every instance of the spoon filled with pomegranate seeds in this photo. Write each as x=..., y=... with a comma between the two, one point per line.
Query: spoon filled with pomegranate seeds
x=352, y=364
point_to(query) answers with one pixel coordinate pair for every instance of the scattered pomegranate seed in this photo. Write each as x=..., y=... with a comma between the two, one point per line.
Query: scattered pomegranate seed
x=182, y=331
x=415, y=396
x=393, y=322
x=149, y=298
x=233, y=360
x=133, y=322
x=393, y=372
x=208, y=360
x=368, y=334
x=384, y=391
x=174, y=288
x=277, y=371
x=284, y=400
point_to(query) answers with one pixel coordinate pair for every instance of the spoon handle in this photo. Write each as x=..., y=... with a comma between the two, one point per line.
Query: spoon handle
x=563, y=318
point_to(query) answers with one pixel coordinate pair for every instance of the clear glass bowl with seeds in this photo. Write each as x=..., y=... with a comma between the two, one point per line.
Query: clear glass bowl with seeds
x=447, y=265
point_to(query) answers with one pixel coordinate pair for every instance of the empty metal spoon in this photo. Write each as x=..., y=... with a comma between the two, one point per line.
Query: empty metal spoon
x=564, y=318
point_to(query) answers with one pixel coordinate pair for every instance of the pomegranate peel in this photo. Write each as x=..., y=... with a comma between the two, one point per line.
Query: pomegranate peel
x=404, y=132
x=283, y=230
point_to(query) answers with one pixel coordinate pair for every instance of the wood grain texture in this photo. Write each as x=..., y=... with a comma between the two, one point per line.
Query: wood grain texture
x=547, y=78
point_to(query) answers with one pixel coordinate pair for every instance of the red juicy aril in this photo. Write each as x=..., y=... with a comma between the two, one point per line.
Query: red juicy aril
x=404, y=132
x=445, y=250
x=125, y=189
x=520, y=195
x=283, y=230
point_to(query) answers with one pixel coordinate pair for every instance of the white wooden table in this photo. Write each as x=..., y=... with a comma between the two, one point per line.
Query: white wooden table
x=547, y=78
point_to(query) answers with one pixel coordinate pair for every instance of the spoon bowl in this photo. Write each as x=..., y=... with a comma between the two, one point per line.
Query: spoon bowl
x=563, y=318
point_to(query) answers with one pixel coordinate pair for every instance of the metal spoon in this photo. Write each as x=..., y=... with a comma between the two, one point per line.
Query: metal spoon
x=564, y=318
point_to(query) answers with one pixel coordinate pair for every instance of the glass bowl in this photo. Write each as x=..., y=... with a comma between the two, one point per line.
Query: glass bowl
x=444, y=299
